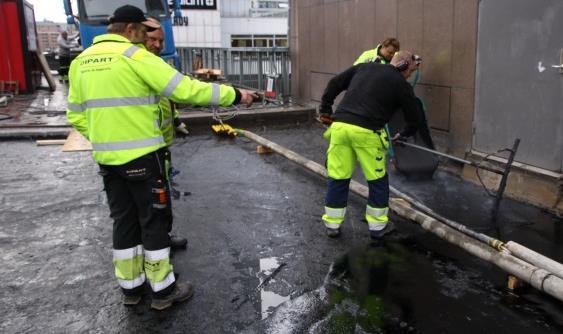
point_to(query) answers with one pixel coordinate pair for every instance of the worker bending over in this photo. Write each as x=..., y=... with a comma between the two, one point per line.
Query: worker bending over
x=373, y=93
x=113, y=100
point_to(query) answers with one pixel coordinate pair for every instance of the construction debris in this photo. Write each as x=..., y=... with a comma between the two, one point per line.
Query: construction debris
x=208, y=74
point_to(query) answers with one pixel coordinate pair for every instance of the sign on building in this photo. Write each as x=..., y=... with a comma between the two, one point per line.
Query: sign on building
x=195, y=4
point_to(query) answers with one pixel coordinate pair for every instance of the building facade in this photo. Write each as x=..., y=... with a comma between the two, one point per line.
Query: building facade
x=490, y=74
x=48, y=32
x=233, y=23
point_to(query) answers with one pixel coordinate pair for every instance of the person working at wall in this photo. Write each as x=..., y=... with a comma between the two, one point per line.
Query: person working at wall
x=381, y=54
x=373, y=94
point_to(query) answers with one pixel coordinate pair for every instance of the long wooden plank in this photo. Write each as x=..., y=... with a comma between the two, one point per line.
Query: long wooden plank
x=76, y=142
x=46, y=70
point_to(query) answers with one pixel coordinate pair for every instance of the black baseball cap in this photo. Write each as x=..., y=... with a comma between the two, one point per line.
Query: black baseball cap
x=132, y=14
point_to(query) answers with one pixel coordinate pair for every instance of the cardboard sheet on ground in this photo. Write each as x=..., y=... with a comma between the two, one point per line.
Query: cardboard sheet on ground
x=412, y=162
x=76, y=142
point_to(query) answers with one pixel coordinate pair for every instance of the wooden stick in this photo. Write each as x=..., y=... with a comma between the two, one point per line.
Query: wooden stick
x=46, y=142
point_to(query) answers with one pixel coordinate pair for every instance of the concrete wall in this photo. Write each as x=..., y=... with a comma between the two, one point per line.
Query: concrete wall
x=326, y=36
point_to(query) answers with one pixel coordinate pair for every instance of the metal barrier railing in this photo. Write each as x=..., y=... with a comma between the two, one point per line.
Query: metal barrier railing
x=247, y=67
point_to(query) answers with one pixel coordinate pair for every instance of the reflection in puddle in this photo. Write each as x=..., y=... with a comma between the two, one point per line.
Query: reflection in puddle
x=269, y=299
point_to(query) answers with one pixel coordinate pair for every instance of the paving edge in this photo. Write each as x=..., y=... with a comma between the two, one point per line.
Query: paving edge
x=198, y=122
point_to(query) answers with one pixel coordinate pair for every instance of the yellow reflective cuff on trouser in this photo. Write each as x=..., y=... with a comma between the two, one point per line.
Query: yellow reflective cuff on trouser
x=377, y=218
x=129, y=267
x=158, y=269
x=333, y=217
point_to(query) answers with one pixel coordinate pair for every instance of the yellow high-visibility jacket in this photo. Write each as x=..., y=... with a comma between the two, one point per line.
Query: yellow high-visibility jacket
x=369, y=56
x=114, y=94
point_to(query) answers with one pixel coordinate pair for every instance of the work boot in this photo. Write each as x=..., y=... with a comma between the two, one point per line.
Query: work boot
x=333, y=232
x=182, y=292
x=131, y=300
x=178, y=243
x=378, y=235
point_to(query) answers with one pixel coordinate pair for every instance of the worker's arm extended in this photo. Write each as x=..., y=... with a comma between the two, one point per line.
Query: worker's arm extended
x=168, y=82
x=335, y=86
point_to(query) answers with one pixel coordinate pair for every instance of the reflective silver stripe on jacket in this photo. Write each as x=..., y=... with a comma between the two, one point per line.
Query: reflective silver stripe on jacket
x=166, y=122
x=114, y=102
x=128, y=145
x=215, y=94
x=74, y=107
x=131, y=51
x=121, y=102
x=172, y=84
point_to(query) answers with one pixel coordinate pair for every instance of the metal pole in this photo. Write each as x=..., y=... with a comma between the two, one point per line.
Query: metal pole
x=502, y=185
x=240, y=68
x=451, y=157
x=260, y=70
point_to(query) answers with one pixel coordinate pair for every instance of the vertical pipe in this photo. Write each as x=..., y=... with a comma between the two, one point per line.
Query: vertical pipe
x=240, y=68
x=502, y=184
x=260, y=70
x=285, y=76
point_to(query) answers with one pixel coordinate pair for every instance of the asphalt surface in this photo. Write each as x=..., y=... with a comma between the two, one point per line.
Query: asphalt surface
x=258, y=255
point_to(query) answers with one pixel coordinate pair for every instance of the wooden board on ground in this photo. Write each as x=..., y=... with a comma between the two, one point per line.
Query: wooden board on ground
x=76, y=142
x=46, y=70
x=46, y=142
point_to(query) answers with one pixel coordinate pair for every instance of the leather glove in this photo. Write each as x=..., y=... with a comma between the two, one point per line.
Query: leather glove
x=181, y=129
x=325, y=119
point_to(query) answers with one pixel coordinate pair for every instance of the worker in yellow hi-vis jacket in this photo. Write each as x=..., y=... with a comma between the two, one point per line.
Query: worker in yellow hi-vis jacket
x=382, y=53
x=114, y=94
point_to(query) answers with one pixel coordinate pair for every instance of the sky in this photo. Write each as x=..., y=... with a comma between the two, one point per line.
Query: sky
x=52, y=10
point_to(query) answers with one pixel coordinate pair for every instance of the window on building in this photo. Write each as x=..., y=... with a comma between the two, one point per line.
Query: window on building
x=241, y=41
x=258, y=41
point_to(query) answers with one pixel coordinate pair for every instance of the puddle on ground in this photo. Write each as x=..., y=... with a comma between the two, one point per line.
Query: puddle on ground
x=388, y=288
x=269, y=300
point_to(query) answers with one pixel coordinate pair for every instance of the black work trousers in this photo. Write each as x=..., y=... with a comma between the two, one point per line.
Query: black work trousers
x=139, y=202
x=64, y=64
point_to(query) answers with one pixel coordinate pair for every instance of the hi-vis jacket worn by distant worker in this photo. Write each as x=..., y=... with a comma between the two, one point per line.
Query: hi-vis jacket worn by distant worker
x=371, y=55
x=114, y=95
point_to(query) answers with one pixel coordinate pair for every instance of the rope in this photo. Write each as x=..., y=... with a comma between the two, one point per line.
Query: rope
x=224, y=114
